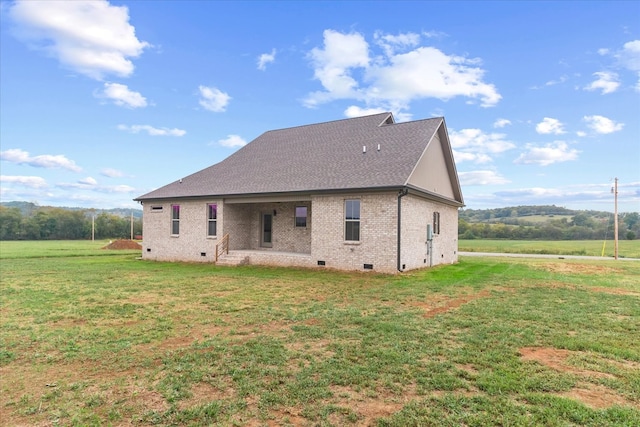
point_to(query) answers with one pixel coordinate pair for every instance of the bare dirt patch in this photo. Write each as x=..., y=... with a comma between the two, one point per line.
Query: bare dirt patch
x=610, y=291
x=123, y=244
x=370, y=407
x=454, y=303
x=596, y=396
x=571, y=268
x=593, y=395
x=557, y=359
x=51, y=387
x=614, y=291
x=468, y=368
x=203, y=393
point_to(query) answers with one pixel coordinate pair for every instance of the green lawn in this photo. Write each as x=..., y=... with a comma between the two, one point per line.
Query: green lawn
x=90, y=339
x=626, y=248
x=55, y=248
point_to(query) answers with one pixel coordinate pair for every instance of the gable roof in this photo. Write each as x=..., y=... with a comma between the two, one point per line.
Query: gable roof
x=320, y=157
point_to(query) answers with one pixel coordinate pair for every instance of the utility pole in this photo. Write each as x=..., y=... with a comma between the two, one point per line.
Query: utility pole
x=131, y=225
x=614, y=190
x=93, y=228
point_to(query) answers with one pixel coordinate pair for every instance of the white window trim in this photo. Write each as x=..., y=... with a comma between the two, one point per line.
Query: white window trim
x=174, y=220
x=209, y=220
x=359, y=221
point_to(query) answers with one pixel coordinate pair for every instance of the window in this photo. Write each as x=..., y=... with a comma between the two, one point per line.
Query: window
x=436, y=223
x=352, y=220
x=156, y=208
x=175, y=219
x=212, y=219
x=301, y=216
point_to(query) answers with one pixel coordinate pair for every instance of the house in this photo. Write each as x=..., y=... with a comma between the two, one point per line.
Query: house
x=357, y=194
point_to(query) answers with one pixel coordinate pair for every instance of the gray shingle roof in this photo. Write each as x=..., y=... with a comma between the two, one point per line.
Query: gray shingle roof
x=317, y=157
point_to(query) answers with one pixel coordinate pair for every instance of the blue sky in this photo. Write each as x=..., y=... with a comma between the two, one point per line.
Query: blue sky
x=104, y=101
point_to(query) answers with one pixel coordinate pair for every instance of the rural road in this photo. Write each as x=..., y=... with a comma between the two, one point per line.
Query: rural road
x=598, y=258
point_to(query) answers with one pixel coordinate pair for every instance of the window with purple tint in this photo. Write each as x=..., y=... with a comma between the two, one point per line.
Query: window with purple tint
x=212, y=219
x=301, y=216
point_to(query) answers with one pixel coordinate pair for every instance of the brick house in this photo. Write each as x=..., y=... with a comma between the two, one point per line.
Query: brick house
x=358, y=194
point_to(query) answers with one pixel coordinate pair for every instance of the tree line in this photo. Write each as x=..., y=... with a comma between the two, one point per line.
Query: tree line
x=581, y=226
x=51, y=223
x=27, y=221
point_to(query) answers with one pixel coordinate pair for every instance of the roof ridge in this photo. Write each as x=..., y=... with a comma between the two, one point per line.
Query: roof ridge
x=330, y=121
x=419, y=120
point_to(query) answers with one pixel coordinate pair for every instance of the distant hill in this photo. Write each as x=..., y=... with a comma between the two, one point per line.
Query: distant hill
x=548, y=222
x=27, y=208
x=527, y=215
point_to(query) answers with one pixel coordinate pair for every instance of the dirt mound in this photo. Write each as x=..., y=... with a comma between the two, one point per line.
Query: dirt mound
x=123, y=244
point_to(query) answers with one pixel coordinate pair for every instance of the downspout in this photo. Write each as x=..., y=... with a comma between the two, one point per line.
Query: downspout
x=401, y=194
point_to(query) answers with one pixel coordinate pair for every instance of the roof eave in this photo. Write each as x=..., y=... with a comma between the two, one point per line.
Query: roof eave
x=274, y=194
x=433, y=196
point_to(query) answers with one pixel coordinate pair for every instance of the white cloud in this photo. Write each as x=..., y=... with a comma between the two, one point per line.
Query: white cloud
x=93, y=38
x=153, y=131
x=533, y=192
x=603, y=125
x=355, y=111
x=347, y=69
x=391, y=43
x=555, y=152
x=482, y=177
x=549, y=125
x=333, y=63
x=122, y=96
x=117, y=189
x=48, y=161
x=560, y=80
x=581, y=196
x=92, y=186
x=27, y=181
x=233, y=141
x=111, y=173
x=462, y=156
x=500, y=123
x=476, y=146
x=266, y=58
x=629, y=56
x=213, y=99
x=88, y=181
x=607, y=81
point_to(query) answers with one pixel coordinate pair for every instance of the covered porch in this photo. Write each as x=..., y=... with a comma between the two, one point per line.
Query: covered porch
x=264, y=227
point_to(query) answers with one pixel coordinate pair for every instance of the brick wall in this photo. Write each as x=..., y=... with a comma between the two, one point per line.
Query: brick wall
x=192, y=241
x=417, y=212
x=323, y=239
x=378, y=223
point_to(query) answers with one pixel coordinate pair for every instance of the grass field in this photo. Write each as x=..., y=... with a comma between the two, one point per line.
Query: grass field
x=626, y=248
x=100, y=338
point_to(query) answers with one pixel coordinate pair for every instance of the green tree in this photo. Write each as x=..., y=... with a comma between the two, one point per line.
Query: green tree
x=10, y=223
